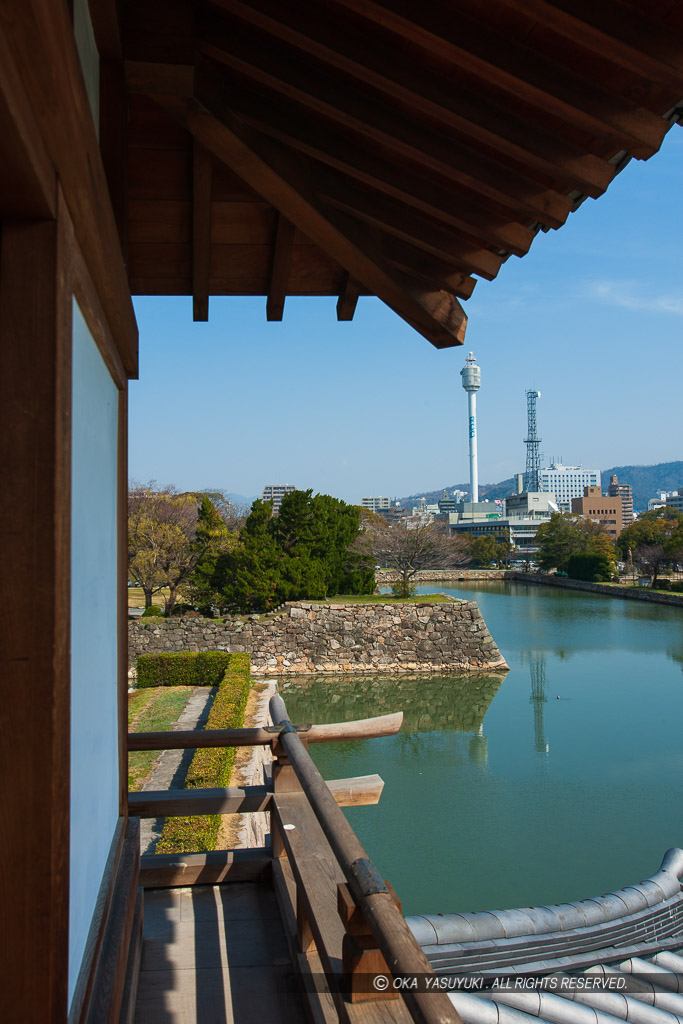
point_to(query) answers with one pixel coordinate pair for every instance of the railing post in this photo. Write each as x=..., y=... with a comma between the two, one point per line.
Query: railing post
x=361, y=955
x=284, y=781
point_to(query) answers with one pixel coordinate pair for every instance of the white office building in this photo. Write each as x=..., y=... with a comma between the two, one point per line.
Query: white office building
x=567, y=482
x=376, y=504
x=275, y=493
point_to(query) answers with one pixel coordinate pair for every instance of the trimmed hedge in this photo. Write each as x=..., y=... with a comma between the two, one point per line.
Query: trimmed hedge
x=211, y=767
x=153, y=611
x=184, y=668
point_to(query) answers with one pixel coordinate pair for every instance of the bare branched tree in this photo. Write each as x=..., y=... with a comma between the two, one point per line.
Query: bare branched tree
x=407, y=548
x=162, y=526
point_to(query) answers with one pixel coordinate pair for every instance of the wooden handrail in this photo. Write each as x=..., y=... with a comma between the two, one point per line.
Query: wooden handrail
x=168, y=803
x=401, y=951
x=364, y=728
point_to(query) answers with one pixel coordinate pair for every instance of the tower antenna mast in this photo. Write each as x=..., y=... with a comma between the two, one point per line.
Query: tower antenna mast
x=533, y=444
x=471, y=381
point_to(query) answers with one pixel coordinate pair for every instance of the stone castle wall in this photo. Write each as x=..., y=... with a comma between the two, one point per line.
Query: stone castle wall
x=305, y=637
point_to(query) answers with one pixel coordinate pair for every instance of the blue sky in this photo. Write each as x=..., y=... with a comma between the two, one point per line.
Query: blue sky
x=592, y=317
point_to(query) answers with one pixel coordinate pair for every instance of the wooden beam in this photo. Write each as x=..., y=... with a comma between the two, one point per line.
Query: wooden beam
x=109, y=964
x=169, y=870
x=201, y=231
x=420, y=232
x=37, y=37
x=384, y=125
x=113, y=142
x=374, y=63
x=383, y=725
x=147, y=77
x=286, y=183
x=508, y=228
x=35, y=532
x=519, y=70
x=104, y=15
x=418, y=264
x=615, y=32
x=177, y=803
x=364, y=790
x=348, y=298
x=170, y=803
x=28, y=182
x=280, y=268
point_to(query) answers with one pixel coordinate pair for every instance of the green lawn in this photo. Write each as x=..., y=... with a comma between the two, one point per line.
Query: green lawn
x=383, y=599
x=158, y=709
x=136, y=598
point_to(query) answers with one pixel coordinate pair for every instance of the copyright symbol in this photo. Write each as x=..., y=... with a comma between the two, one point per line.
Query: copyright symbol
x=380, y=982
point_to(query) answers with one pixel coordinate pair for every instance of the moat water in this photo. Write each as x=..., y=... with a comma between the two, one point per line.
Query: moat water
x=558, y=780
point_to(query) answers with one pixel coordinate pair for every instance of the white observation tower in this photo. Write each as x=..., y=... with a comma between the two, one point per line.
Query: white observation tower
x=471, y=381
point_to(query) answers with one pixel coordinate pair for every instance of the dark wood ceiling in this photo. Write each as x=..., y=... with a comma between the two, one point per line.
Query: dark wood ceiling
x=388, y=147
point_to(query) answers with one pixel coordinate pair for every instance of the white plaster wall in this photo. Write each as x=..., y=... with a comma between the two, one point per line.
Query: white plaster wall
x=94, y=729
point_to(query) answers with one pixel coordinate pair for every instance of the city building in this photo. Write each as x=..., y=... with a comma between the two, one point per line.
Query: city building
x=658, y=502
x=531, y=505
x=607, y=510
x=375, y=504
x=623, y=491
x=567, y=482
x=275, y=493
x=675, y=499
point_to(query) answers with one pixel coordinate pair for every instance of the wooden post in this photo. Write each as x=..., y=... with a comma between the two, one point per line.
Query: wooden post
x=361, y=956
x=284, y=781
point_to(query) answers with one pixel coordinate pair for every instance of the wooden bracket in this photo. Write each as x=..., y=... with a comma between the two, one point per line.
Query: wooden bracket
x=361, y=956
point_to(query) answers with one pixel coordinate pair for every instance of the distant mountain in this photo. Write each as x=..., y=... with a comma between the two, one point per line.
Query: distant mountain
x=238, y=500
x=490, y=491
x=645, y=481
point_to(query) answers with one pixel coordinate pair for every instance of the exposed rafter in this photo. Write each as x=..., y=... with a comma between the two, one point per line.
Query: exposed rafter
x=348, y=298
x=421, y=89
x=274, y=173
x=410, y=146
x=519, y=70
x=201, y=231
x=279, y=274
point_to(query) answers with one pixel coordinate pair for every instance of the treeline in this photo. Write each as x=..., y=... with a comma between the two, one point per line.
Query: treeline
x=204, y=554
x=583, y=550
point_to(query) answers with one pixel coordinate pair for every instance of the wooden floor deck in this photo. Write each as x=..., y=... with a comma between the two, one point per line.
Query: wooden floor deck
x=216, y=955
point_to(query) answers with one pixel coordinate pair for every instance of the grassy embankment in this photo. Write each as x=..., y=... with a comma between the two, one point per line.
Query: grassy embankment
x=136, y=598
x=152, y=710
x=384, y=599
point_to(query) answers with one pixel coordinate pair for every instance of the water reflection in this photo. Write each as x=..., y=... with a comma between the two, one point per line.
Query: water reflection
x=430, y=703
x=537, y=668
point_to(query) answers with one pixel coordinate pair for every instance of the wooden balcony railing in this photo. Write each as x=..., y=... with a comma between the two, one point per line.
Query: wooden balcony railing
x=342, y=919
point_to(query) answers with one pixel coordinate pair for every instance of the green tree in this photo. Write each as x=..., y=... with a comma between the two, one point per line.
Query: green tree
x=248, y=577
x=654, y=539
x=305, y=552
x=592, y=566
x=565, y=535
x=212, y=538
x=168, y=536
x=486, y=549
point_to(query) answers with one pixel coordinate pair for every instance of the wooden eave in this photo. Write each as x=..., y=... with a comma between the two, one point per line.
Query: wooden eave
x=355, y=147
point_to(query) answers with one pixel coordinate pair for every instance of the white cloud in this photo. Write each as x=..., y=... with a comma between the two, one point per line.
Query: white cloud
x=632, y=295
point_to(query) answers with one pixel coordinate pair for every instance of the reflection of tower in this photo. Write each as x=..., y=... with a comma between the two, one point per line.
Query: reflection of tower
x=538, y=699
x=471, y=381
x=479, y=748
x=533, y=443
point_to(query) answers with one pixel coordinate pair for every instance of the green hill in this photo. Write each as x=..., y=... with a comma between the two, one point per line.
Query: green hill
x=645, y=481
